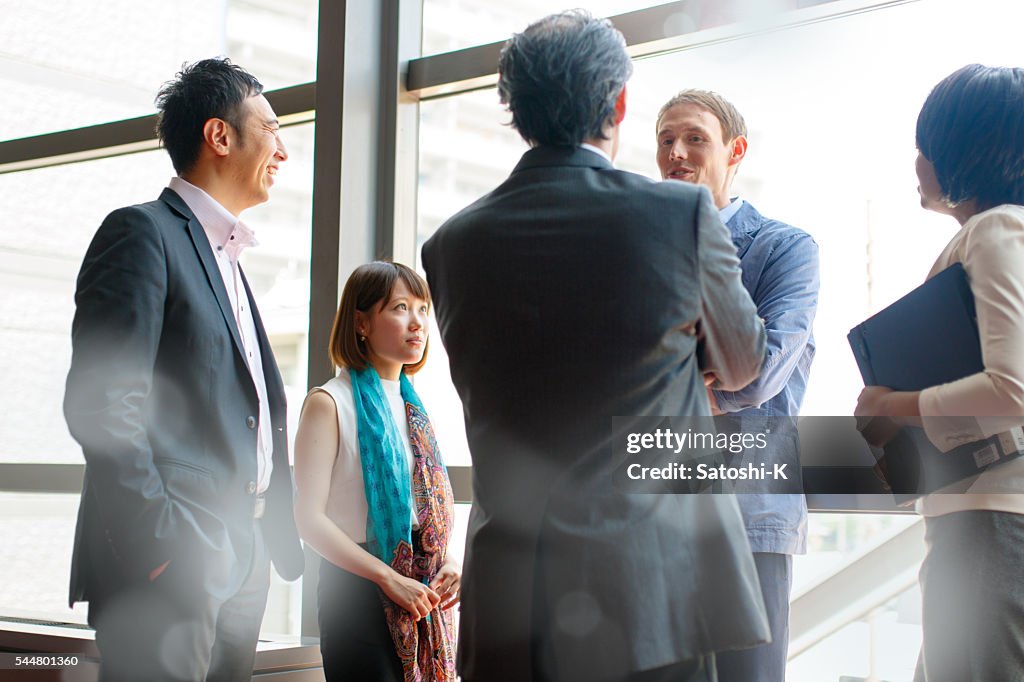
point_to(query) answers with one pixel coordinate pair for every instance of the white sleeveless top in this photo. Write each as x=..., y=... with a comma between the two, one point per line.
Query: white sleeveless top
x=346, y=502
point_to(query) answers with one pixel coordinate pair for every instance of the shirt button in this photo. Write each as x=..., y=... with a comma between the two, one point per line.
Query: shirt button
x=250, y=421
x=250, y=489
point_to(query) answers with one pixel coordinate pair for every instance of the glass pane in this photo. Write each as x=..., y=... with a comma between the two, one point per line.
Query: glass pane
x=53, y=213
x=67, y=64
x=832, y=147
x=38, y=533
x=465, y=152
x=880, y=646
x=455, y=24
x=833, y=540
x=831, y=109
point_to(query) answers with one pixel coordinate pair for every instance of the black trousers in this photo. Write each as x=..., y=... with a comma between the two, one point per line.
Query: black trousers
x=354, y=639
x=149, y=632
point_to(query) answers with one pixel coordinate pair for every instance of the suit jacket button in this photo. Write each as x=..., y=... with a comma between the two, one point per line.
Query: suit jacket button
x=251, y=488
x=250, y=421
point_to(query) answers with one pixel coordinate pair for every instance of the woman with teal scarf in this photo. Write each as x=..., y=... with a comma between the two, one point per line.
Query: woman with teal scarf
x=373, y=495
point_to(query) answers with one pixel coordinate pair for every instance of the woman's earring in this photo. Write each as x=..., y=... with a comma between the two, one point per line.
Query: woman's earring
x=362, y=339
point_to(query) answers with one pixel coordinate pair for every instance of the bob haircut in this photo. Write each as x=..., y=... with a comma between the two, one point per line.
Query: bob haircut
x=561, y=77
x=368, y=286
x=971, y=129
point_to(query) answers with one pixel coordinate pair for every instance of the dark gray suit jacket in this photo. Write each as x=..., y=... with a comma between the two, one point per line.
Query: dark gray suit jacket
x=573, y=293
x=160, y=397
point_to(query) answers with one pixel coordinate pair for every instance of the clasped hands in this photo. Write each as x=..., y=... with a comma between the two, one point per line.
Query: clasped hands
x=419, y=599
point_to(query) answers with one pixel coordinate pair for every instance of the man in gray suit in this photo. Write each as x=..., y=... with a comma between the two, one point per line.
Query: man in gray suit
x=571, y=294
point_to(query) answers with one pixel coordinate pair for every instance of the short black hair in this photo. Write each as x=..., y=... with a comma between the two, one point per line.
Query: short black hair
x=971, y=129
x=210, y=88
x=561, y=76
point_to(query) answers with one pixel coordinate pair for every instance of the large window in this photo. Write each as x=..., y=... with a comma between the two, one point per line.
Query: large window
x=37, y=531
x=58, y=209
x=831, y=106
x=68, y=64
x=456, y=24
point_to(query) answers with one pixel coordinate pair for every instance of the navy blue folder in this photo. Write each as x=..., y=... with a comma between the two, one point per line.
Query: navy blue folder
x=928, y=337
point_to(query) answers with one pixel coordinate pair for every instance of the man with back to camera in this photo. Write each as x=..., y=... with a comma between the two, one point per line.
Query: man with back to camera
x=702, y=139
x=177, y=402
x=571, y=294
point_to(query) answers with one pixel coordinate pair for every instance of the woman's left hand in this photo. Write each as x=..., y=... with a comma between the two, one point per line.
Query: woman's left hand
x=881, y=412
x=872, y=402
x=448, y=584
x=873, y=420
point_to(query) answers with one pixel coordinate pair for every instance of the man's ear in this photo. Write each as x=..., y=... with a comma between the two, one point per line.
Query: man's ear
x=217, y=134
x=738, y=151
x=620, y=106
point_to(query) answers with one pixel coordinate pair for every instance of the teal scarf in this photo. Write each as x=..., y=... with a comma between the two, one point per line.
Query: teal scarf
x=386, y=476
x=425, y=647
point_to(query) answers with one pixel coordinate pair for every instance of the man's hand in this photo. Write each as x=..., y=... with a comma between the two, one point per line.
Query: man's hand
x=709, y=381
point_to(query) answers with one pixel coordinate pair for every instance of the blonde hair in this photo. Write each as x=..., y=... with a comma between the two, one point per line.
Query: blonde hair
x=728, y=115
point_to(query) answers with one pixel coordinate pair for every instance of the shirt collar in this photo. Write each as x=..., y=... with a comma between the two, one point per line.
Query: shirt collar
x=596, y=150
x=729, y=211
x=225, y=232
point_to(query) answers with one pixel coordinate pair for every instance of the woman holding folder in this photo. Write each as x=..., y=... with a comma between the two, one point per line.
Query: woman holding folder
x=970, y=138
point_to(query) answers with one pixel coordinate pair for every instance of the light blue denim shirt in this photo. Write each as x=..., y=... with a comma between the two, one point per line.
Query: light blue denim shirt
x=780, y=271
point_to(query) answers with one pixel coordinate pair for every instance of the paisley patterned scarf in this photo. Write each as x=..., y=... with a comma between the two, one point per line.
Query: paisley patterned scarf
x=425, y=647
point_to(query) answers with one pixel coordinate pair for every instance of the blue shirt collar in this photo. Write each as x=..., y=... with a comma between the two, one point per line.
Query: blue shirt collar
x=729, y=211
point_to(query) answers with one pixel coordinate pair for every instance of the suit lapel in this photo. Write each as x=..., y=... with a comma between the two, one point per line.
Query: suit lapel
x=202, y=246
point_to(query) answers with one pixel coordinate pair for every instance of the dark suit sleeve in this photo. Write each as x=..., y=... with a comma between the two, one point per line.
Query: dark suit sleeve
x=120, y=298
x=733, y=336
